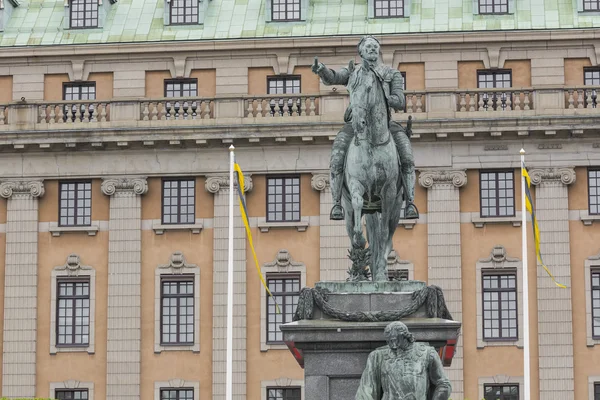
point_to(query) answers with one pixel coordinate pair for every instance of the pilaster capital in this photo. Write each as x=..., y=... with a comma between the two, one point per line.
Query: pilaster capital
x=9, y=189
x=564, y=175
x=216, y=183
x=431, y=177
x=319, y=181
x=133, y=186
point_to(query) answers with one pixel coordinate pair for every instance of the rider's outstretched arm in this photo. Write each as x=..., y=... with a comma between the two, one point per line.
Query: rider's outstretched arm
x=329, y=76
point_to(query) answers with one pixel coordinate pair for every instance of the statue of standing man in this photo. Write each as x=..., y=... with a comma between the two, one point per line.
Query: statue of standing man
x=392, y=83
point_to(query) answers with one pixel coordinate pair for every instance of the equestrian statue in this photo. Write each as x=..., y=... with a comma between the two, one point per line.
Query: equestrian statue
x=372, y=165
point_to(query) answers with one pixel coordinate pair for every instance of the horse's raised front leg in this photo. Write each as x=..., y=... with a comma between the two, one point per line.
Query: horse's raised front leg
x=357, y=191
x=389, y=219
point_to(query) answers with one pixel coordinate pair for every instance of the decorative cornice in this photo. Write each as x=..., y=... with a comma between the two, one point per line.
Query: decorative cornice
x=429, y=178
x=565, y=175
x=137, y=186
x=498, y=257
x=221, y=182
x=21, y=188
x=319, y=182
x=177, y=263
x=283, y=260
x=73, y=265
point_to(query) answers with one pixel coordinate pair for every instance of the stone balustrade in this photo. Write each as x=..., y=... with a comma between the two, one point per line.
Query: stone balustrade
x=429, y=105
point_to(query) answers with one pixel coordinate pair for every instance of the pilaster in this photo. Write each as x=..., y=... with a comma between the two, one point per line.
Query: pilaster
x=123, y=352
x=219, y=186
x=443, y=251
x=555, y=316
x=333, y=237
x=20, y=287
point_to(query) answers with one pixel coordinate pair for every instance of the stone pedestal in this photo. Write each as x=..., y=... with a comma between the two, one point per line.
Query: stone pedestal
x=334, y=353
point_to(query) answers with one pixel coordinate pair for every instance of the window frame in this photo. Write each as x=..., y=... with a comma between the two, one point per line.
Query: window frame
x=583, y=3
x=194, y=3
x=180, y=81
x=497, y=189
x=594, y=271
x=60, y=208
x=177, y=389
x=68, y=390
x=597, y=170
x=162, y=204
x=494, y=98
x=299, y=388
x=287, y=4
x=596, y=390
x=178, y=278
x=501, y=385
x=60, y=280
x=284, y=208
x=85, y=3
x=493, y=6
x=284, y=78
x=389, y=8
x=497, y=273
x=284, y=295
x=79, y=86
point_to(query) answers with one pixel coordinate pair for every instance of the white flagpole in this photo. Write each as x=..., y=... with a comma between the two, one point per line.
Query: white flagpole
x=229, y=377
x=526, y=369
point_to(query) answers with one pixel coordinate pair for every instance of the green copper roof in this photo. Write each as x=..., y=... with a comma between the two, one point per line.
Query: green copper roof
x=40, y=22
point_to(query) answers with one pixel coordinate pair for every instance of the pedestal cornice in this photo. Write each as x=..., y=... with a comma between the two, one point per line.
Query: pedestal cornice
x=216, y=183
x=430, y=178
x=135, y=186
x=564, y=175
x=21, y=188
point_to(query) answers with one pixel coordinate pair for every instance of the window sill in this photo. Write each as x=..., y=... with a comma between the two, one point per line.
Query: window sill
x=501, y=343
x=59, y=230
x=80, y=349
x=160, y=229
x=480, y=222
x=588, y=219
x=195, y=348
x=266, y=347
x=299, y=225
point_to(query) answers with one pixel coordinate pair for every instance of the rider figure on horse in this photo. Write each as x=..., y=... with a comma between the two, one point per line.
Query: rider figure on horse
x=392, y=83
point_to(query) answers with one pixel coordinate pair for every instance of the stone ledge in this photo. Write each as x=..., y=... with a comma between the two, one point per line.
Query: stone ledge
x=160, y=229
x=265, y=226
x=59, y=230
x=588, y=219
x=480, y=222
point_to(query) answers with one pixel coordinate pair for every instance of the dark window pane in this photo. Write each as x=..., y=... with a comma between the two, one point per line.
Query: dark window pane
x=496, y=194
x=389, y=8
x=71, y=394
x=595, y=303
x=500, y=312
x=176, y=394
x=286, y=292
x=179, y=201
x=494, y=100
x=591, y=5
x=177, y=311
x=181, y=88
x=285, y=10
x=73, y=312
x=501, y=392
x=84, y=13
x=283, y=199
x=75, y=204
x=594, y=191
x=184, y=12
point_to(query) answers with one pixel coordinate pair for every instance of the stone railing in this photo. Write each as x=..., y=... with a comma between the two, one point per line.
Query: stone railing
x=281, y=106
x=415, y=102
x=177, y=109
x=74, y=112
x=495, y=100
x=581, y=97
x=4, y=115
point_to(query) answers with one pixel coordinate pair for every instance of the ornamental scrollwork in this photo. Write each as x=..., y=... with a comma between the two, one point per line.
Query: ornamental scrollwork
x=219, y=182
x=21, y=188
x=136, y=186
x=565, y=175
x=320, y=182
x=429, y=178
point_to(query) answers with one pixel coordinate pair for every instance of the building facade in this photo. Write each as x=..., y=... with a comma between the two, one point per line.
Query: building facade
x=115, y=119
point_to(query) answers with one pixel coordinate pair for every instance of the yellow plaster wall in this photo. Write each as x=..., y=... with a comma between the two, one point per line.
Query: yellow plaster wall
x=155, y=83
x=104, y=84
x=467, y=73
x=3, y=204
x=6, y=89
x=415, y=75
x=156, y=250
x=309, y=81
x=53, y=251
x=574, y=70
x=257, y=80
x=53, y=86
x=411, y=245
x=207, y=81
x=521, y=72
x=303, y=247
x=48, y=205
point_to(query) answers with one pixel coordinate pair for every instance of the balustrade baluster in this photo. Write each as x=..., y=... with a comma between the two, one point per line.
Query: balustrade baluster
x=146, y=111
x=517, y=101
x=571, y=100
x=84, y=113
x=526, y=101
x=482, y=103
x=77, y=112
x=472, y=101
x=162, y=112
x=508, y=100
x=250, y=108
x=588, y=99
x=312, y=106
x=419, y=103
x=580, y=98
x=259, y=108
x=463, y=102
x=102, y=111
x=2, y=110
x=42, y=114
x=52, y=114
x=194, y=107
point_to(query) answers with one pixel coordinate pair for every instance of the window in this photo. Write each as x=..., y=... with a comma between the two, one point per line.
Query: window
x=84, y=13
x=494, y=80
x=596, y=391
x=184, y=12
x=284, y=85
x=594, y=191
x=591, y=5
x=75, y=204
x=389, y=8
x=499, y=306
x=181, y=87
x=176, y=394
x=71, y=394
x=286, y=10
x=285, y=289
x=177, y=305
x=591, y=77
x=493, y=6
x=179, y=201
x=497, y=195
x=501, y=392
x=403, y=80
x=596, y=303
x=73, y=323
x=283, y=393
x=76, y=92
x=283, y=199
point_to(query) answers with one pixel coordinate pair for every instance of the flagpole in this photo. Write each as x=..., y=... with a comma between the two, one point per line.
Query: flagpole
x=229, y=375
x=526, y=369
